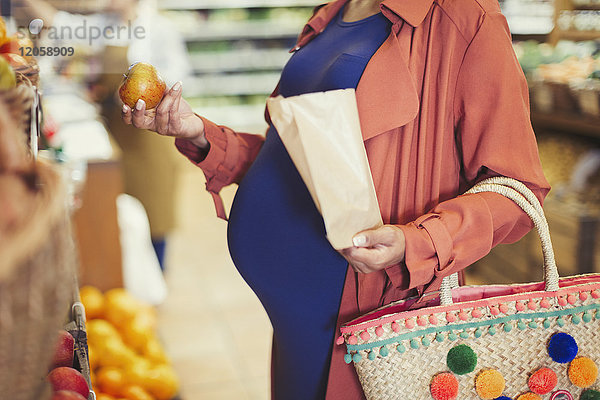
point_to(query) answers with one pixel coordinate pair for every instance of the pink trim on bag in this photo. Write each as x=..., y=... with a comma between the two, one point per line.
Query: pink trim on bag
x=474, y=296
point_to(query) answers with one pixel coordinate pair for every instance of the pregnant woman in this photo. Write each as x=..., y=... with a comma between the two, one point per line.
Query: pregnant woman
x=442, y=104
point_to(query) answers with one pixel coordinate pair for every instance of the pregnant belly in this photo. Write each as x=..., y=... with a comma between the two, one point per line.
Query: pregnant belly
x=277, y=238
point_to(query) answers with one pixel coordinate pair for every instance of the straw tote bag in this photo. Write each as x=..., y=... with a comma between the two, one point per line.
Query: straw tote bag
x=524, y=341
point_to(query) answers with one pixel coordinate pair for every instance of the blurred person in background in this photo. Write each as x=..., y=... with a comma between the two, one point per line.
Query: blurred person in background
x=150, y=163
x=443, y=104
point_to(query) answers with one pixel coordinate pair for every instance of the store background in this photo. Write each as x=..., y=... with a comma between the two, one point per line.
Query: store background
x=212, y=326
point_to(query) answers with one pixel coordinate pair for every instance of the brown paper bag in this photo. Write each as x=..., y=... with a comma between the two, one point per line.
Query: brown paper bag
x=321, y=132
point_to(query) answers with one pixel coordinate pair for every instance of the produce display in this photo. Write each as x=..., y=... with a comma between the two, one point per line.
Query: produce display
x=127, y=360
x=142, y=81
x=564, y=78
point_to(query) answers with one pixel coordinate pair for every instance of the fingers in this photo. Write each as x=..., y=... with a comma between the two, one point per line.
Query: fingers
x=138, y=116
x=126, y=114
x=166, y=114
x=368, y=260
x=385, y=235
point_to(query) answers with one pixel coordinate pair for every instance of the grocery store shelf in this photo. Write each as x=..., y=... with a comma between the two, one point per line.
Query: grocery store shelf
x=572, y=124
x=233, y=84
x=219, y=4
x=239, y=60
x=243, y=118
x=213, y=31
x=579, y=35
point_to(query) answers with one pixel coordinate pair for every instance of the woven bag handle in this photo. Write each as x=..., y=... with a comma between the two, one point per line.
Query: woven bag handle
x=524, y=198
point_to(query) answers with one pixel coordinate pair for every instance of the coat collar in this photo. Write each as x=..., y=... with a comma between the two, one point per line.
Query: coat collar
x=387, y=97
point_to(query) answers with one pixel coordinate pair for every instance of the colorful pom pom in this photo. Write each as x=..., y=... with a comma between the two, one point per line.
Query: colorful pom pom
x=503, y=308
x=571, y=299
x=529, y=396
x=352, y=340
x=590, y=395
x=521, y=325
x=520, y=306
x=452, y=336
x=414, y=343
x=494, y=310
x=395, y=327
x=409, y=323
x=582, y=372
x=576, y=319
x=464, y=334
x=348, y=358
x=507, y=327
x=433, y=319
x=489, y=384
x=461, y=359
x=542, y=381
x=596, y=294
x=364, y=335
x=400, y=348
x=492, y=330
x=545, y=303
x=444, y=386
x=421, y=321
x=379, y=331
x=425, y=341
x=439, y=337
x=532, y=305
x=503, y=398
x=560, y=322
x=478, y=333
x=450, y=317
x=356, y=357
x=339, y=341
x=562, y=301
x=463, y=316
x=562, y=348
x=562, y=395
x=587, y=317
x=476, y=313
x=372, y=355
x=583, y=296
x=384, y=352
x=547, y=323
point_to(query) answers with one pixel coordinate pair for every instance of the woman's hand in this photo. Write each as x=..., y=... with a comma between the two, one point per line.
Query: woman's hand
x=172, y=117
x=376, y=249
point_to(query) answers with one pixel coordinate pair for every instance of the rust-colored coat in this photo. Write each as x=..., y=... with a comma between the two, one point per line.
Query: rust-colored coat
x=442, y=104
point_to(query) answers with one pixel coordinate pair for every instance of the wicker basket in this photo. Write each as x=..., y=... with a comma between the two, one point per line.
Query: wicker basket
x=37, y=274
x=31, y=71
x=19, y=102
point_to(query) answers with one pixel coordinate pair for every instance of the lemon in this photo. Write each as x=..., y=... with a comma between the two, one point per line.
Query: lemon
x=8, y=80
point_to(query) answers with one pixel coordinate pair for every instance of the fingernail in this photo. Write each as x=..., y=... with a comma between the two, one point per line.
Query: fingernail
x=140, y=104
x=177, y=86
x=125, y=108
x=359, y=241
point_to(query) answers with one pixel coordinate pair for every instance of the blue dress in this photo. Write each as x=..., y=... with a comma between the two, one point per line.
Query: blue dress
x=276, y=235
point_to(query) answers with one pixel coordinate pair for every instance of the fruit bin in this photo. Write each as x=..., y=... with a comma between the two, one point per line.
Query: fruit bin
x=37, y=273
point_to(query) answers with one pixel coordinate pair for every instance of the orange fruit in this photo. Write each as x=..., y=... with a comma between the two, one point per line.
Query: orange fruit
x=104, y=396
x=137, y=371
x=114, y=353
x=137, y=332
x=155, y=353
x=135, y=392
x=99, y=331
x=93, y=301
x=110, y=380
x=120, y=306
x=162, y=382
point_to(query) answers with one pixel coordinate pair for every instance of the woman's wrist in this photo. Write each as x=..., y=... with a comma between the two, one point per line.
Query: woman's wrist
x=199, y=140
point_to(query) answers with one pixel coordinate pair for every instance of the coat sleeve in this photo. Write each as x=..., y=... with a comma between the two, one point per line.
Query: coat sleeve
x=227, y=160
x=494, y=136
